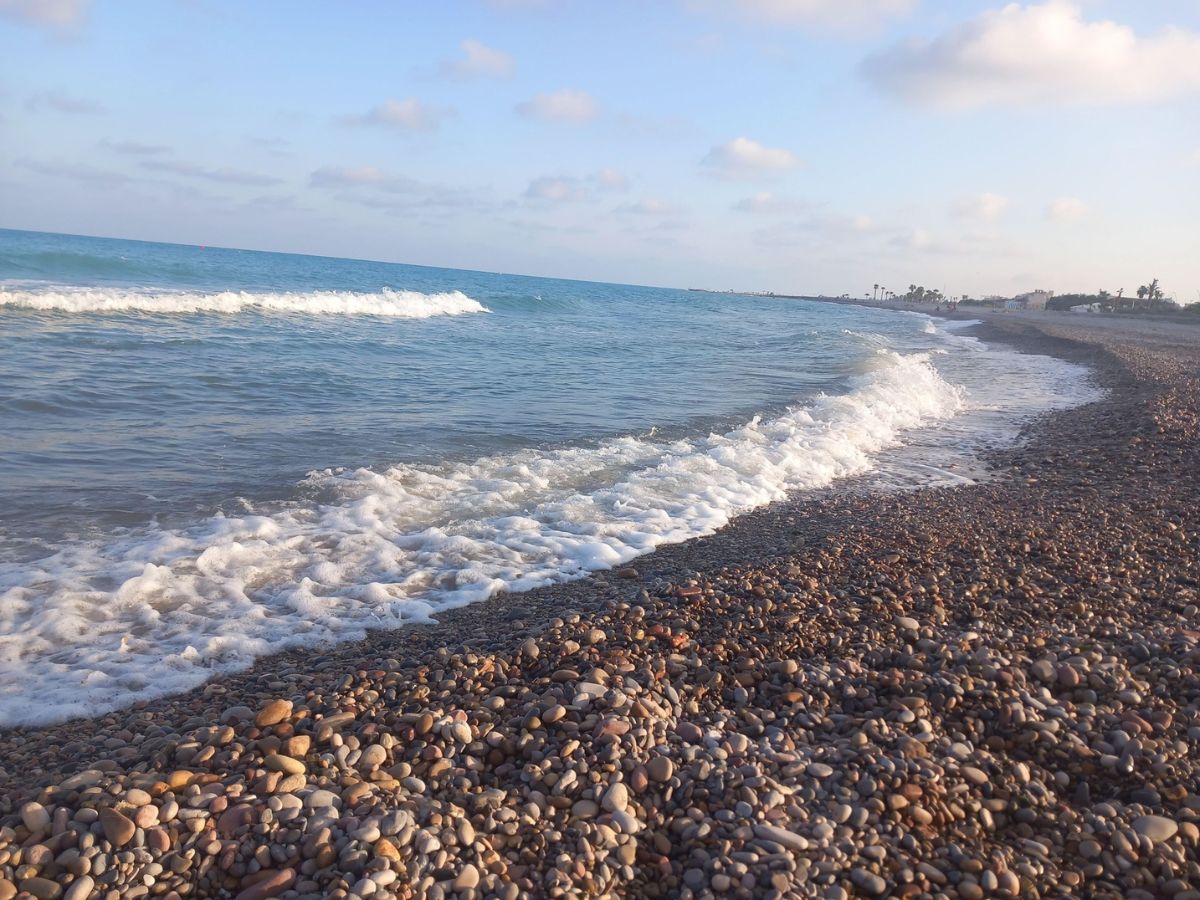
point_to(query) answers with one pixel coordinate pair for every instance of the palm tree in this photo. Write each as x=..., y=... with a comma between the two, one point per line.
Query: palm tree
x=874, y=292
x=1150, y=292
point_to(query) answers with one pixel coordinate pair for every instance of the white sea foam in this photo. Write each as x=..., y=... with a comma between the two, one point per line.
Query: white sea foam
x=387, y=302
x=95, y=627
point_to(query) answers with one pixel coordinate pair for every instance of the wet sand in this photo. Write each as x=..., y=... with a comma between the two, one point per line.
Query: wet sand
x=975, y=691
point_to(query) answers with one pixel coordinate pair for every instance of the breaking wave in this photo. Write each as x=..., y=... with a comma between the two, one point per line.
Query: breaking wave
x=387, y=302
x=98, y=626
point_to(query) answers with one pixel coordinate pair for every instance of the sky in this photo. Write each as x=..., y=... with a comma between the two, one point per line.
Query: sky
x=799, y=146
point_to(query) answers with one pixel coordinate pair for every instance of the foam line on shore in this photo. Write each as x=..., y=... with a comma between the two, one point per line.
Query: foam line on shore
x=102, y=625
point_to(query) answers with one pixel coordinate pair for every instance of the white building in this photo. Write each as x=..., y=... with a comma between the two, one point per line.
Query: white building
x=1033, y=300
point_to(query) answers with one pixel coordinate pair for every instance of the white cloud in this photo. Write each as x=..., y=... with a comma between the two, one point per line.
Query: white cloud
x=76, y=171
x=53, y=13
x=372, y=187
x=136, y=148
x=566, y=105
x=222, y=176
x=1067, y=209
x=64, y=103
x=479, y=61
x=836, y=13
x=767, y=202
x=982, y=206
x=568, y=188
x=744, y=157
x=548, y=189
x=817, y=226
x=343, y=176
x=649, y=206
x=914, y=239
x=409, y=114
x=610, y=179
x=1037, y=55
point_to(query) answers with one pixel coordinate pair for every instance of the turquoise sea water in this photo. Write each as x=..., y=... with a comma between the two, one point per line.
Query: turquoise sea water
x=210, y=454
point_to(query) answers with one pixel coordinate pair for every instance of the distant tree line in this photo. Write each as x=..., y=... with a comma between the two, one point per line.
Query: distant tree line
x=920, y=294
x=1148, y=298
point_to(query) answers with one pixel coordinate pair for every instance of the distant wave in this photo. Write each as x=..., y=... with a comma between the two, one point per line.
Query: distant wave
x=66, y=263
x=104, y=624
x=387, y=302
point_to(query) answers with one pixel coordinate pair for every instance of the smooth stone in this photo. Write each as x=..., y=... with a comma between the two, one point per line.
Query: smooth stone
x=1043, y=670
x=467, y=879
x=1156, y=828
x=80, y=889
x=616, y=798
x=42, y=888
x=975, y=776
x=782, y=836
x=35, y=817
x=137, y=797
x=627, y=823
x=85, y=779
x=320, y=799
x=37, y=855
x=234, y=818
x=237, y=714
x=271, y=885
x=373, y=757
x=868, y=881
x=660, y=769
x=819, y=770
x=585, y=809
x=118, y=828
x=273, y=713
x=277, y=762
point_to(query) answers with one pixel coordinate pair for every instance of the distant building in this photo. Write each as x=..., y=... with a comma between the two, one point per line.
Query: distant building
x=1032, y=300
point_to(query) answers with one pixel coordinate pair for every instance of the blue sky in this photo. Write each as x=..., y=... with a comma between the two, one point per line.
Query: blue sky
x=792, y=145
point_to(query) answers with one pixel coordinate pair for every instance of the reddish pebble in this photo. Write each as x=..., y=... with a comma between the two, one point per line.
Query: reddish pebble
x=271, y=884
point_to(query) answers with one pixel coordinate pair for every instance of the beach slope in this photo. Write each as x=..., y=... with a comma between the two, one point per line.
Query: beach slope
x=989, y=690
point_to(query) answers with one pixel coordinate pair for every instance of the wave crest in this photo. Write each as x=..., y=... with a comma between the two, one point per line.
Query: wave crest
x=97, y=626
x=387, y=302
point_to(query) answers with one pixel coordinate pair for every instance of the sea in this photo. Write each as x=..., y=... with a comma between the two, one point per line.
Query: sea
x=208, y=455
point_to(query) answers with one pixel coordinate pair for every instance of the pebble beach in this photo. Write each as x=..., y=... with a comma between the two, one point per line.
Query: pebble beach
x=956, y=692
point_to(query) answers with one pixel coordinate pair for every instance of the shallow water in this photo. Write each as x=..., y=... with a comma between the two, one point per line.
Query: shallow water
x=208, y=455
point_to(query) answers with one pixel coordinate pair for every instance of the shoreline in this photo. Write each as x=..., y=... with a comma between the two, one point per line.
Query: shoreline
x=663, y=564
x=807, y=592
x=1029, y=317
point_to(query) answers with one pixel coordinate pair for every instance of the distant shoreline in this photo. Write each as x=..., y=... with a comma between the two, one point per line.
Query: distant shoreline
x=971, y=311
